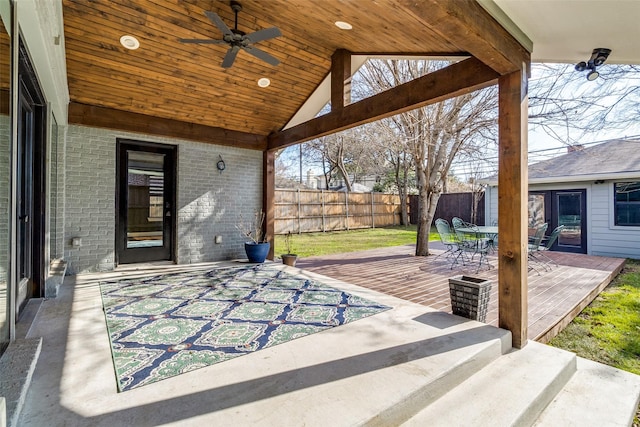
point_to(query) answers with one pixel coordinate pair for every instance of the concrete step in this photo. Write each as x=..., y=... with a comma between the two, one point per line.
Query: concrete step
x=511, y=391
x=597, y=395
x=431, y=368
x=17, y=365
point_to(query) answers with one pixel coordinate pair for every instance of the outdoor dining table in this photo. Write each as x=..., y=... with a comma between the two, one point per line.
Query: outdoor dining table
x=479, y=230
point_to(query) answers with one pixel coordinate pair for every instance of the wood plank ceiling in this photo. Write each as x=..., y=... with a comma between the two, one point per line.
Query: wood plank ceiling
x=167, y=79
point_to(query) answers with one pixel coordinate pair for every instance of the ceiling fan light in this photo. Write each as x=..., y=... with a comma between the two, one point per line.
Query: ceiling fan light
x=264, y=82
x=129, y=42
x=343, y=25
x=593, y=74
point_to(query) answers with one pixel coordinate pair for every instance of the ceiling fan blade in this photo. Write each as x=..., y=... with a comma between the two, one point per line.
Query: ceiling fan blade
x=202, y=41
x=218, y=22
x=267, y=33
x=260, y=54
x=230, y=57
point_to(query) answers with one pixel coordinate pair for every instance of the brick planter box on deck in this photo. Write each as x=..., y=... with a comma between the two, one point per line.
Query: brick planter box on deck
x=470, y=297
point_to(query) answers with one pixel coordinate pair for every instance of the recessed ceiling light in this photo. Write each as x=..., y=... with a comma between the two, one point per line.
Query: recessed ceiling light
x=129, y=42
x=264, y=82
x=343, y=25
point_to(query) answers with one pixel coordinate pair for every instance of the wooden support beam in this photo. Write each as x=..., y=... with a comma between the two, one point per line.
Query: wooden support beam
x=340, y=79
x=512, y=206
x=467, y=25
x=91, y=115
x=268, y=197
x=457, y=79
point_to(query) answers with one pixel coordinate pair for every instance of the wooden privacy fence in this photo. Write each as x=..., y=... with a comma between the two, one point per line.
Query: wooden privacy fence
x=450, y=205
x=303, y=211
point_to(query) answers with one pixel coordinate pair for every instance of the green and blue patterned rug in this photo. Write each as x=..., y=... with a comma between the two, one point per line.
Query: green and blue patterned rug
x=167, y=325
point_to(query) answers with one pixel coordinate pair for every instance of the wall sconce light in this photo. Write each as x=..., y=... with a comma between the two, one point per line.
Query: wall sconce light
x=220, y=165
x=599, y=181
x=598, y=57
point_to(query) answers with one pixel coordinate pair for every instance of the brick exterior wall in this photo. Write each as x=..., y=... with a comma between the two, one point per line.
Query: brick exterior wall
x=209, y=202
x=5, y=162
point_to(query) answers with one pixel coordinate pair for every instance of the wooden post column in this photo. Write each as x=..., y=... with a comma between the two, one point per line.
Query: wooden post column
x=340, y=79
x=268, y=197
x=512, y=205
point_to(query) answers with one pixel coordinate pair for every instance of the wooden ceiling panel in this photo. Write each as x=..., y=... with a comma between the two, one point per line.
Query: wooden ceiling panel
x=172, y=80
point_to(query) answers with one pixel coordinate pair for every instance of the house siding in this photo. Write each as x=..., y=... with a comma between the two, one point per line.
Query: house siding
x=209, y=202
x=608, y=239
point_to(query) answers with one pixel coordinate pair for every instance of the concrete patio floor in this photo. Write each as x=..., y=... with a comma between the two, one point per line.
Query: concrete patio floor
x=555, y=296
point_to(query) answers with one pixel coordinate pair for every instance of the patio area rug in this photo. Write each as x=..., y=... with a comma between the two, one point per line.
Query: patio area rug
x=170, y=324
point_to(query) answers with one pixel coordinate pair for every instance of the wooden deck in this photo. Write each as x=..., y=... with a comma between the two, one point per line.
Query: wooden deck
x=555, y=297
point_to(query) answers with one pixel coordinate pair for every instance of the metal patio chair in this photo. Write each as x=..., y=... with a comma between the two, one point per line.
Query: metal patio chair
x=546, y=246
x=470, y=244
x=448, y=239
x=533, y=248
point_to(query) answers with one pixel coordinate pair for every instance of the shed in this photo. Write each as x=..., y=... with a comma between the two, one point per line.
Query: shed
x=593, y=191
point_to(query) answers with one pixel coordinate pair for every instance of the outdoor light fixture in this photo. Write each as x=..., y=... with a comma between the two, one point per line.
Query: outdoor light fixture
x=220, y=165
x=598, y=57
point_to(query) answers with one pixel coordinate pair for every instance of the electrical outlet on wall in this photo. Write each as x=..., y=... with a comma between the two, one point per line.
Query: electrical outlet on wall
x=218, y=240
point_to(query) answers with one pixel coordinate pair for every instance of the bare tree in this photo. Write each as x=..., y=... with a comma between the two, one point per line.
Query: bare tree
x=434, y=134
x=347, y=153
x=571, y=109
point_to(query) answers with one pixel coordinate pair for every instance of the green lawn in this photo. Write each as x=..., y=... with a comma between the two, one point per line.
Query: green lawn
x=608, y=330
x=310, y=244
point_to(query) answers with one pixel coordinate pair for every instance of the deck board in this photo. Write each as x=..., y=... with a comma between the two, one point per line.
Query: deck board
x=555, y=296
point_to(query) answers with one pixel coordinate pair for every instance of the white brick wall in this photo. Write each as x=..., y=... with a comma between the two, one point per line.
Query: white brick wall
x=5, y=156
x=209, y=202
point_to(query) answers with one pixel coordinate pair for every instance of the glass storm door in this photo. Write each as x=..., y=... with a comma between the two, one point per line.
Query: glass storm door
x=146, y=177
x=561, y=207
x=25, y=199
x=569, y=210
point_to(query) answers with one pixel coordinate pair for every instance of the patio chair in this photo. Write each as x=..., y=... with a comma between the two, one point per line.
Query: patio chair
x=470, y=245
x=493, y=238
x=448, y=239
x=533, y=248
x=546, y=246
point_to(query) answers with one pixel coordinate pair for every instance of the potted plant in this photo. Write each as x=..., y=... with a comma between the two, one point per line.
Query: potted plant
x=289, y=258
x=257, y=248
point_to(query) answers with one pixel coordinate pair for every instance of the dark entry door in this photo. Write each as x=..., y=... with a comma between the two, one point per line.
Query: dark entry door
x=568, y=208
x=30, y=184
x=145, y=202
x=562, y=207
x=25, y=181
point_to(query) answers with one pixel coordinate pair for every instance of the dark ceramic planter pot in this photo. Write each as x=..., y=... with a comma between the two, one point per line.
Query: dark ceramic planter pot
x=257, y=252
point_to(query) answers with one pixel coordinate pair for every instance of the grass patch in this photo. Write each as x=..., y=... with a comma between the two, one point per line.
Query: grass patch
x=608, y=330
x=313, y=244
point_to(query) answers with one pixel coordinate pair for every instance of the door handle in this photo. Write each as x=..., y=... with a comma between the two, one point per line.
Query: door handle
x=24, y=218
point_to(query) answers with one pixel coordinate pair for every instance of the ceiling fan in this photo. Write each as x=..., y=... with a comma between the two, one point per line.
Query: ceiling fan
x=237, y=39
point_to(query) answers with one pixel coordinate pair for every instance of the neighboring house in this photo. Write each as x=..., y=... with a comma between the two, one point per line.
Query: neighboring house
x=593, y=191
x=363, y=184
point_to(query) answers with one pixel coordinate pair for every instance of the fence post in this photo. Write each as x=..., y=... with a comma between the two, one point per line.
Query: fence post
x=299, y=216
x=324, y=227
x=394, y=211
x=373, y=215
x=346, y=207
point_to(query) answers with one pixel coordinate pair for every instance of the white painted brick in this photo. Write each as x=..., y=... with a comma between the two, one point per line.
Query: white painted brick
x=209, y=202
